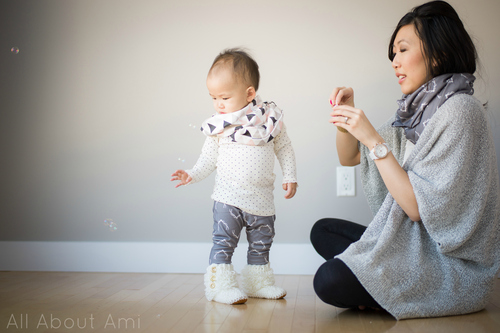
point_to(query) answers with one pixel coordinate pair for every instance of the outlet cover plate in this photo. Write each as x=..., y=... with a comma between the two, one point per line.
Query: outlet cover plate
x=346, y=181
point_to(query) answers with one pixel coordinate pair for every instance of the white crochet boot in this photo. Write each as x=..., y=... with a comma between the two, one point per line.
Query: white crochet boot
x=258, y=281
x=221, y=285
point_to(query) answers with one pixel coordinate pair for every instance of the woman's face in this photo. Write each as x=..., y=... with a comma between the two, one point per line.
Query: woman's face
x=409, y=62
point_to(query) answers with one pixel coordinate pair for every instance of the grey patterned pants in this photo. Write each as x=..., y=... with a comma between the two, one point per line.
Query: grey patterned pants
x=229, y=221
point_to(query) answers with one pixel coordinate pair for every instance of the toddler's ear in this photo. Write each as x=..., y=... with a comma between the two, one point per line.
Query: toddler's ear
x=251, y=93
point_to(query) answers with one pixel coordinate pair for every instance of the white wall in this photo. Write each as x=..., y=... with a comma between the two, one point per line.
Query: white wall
x=97, y=106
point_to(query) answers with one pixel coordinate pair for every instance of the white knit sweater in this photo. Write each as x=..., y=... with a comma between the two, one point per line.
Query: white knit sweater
x=446, y=263
x=245, y=174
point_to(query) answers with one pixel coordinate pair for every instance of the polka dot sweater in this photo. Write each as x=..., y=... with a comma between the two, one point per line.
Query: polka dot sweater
x=245, y=174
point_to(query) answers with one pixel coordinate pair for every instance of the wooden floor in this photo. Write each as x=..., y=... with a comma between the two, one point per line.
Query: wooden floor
x=118, y=302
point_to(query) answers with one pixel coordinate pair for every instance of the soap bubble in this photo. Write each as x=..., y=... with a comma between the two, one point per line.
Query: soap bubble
x=14, y=50
x=181, y=159
x=112, y=226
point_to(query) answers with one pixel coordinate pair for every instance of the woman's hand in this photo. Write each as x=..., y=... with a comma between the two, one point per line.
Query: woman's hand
x=356, y=123
x=342, y=96
x=347, y=145
x=345, y=115
x=182, y=176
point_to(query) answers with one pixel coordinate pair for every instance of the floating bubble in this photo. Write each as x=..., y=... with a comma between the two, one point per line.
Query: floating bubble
x=181, y=159
x=14, y=50
x=112, y=226
x=193, y=126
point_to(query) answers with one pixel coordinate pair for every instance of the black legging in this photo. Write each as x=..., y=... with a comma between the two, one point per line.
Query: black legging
x=334, y=282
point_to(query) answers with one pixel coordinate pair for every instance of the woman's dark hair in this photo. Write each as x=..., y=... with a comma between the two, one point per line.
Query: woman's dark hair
x=447, y=46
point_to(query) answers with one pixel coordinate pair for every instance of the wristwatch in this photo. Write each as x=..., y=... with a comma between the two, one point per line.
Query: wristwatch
x=379, y=151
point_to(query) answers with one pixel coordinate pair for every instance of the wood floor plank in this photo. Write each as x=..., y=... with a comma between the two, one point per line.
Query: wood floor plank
x=237, y=317
x=282, y=317
x=148, y=288
x=304, y=317
x=147, y=302
x=261, y=315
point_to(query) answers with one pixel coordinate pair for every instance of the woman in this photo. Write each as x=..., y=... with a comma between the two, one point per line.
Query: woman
x=431, y=179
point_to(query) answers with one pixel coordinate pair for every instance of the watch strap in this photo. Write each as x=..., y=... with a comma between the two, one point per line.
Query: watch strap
x=372, y=152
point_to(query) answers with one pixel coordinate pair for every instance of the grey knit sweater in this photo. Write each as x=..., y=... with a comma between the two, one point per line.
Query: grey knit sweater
x=446, y=263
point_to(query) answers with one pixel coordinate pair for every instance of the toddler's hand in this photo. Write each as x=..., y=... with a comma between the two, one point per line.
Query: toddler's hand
x=182, y=176
x=290, y=189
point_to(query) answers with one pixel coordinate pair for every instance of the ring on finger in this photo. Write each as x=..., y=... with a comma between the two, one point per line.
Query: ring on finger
x=346, y=119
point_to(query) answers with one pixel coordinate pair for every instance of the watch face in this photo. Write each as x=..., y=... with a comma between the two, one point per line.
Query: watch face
x=380, y=151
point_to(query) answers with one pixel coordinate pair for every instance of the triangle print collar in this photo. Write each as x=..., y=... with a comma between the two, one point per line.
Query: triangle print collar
x=255, y=125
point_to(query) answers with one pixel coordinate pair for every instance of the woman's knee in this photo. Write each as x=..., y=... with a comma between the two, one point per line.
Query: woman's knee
x=325, y=285
x=319, y=228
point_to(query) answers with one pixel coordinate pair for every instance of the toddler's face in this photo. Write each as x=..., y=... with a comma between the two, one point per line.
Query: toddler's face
x=228, y=94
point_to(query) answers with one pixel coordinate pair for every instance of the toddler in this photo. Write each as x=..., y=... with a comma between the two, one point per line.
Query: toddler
x=243, y=136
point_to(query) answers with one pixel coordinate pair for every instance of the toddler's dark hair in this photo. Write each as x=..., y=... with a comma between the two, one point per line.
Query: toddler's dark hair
x=243, y=65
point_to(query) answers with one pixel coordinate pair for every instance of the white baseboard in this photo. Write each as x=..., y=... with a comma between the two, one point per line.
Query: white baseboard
x=138, y=257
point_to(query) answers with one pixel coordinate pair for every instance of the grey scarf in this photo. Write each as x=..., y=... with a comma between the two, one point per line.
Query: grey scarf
x=416, y=109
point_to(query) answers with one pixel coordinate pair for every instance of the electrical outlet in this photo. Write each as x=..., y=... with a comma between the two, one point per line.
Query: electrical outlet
x=346, y=181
